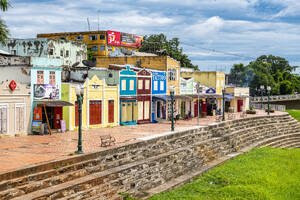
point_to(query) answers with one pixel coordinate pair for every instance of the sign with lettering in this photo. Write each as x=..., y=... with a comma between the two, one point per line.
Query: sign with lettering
x=158, y=76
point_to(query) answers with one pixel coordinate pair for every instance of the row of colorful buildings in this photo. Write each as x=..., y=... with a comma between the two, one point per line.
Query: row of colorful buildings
x=39, y=77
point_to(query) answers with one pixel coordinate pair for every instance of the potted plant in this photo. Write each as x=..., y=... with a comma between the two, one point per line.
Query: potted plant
x=251, y=110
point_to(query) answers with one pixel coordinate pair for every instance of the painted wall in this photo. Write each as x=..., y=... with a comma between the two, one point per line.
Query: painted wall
x=211, y=79
x=11, y=99
x=173, y=64
x=126, y=76
x=111, y=76
x=41, y=47
x=157, y=78
x=239, y=93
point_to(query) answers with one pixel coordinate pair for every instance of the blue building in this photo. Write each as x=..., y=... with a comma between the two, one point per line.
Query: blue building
x=159, y=95
x=128, y=97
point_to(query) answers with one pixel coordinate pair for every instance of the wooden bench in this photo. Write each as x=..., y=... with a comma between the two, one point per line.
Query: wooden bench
x=231, y=116
x=107, y=140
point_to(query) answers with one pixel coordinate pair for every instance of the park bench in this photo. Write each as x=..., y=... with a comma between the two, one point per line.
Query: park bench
x=107, y=140
x=231, y=116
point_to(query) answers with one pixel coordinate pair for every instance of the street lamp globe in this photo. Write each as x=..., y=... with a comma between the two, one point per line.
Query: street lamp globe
x=269, y=88
x=172, y=88
x=78, y=90
x=262, y=87
x=82, y=90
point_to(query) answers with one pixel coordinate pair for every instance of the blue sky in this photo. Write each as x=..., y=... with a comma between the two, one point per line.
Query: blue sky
x=210, y=31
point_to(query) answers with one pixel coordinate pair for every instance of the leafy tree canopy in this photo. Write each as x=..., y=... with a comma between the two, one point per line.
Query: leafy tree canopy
x=268, y=70
x=4, y=33
x=160, y=45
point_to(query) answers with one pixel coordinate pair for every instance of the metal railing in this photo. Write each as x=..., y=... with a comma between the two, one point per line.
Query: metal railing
x=272, y=106
x=276, y=98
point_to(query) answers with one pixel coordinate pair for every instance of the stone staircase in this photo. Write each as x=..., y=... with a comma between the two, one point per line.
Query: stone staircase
x=136, y=168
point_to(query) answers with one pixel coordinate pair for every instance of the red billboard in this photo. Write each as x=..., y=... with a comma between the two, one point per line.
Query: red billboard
x=113, y=38
x=123, y=39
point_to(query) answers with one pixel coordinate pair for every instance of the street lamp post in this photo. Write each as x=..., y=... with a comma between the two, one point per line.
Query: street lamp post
x=198, y=92
x=223, y=103
x=261, y=96
x=172, y=89
x=269, y=90
x=79, y=93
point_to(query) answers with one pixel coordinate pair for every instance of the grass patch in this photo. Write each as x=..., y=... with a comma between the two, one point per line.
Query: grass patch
x=260, y=174
x=294, y=113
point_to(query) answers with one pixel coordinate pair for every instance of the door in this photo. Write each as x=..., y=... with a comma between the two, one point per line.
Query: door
x=95, y=112
x=240, y=105
x=135, y=111
x=158, y=105
x=76, y=114
x=20, y=118
x=129, y=111
x=140, y=110
x=3, y=119
x=124, y=112
x=111, y=111
x=58, y=117
x=146, y=110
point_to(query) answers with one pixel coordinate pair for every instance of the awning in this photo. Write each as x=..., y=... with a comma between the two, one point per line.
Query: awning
x=162, y=97
x=53, y=103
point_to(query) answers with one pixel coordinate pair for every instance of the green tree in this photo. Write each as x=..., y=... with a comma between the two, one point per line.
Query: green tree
x=4, y=33
x=269, y=70
x=160, y=45
x=89, y=54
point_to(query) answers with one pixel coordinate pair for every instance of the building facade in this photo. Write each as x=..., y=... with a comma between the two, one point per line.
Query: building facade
x=69, y=52
x=144, y=96
x=128, y=97
x=100, y=106
x=159, y=98
x=240, y=99
x=101, y=43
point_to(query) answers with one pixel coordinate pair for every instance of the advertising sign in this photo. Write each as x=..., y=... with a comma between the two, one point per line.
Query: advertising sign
x=113, y=38
x=123, y=39
x=45, y=91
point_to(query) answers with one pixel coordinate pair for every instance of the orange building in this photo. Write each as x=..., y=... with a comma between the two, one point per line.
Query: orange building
x=102, y=43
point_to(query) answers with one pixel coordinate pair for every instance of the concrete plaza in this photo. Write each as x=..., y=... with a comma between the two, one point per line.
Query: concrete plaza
x=24, y=151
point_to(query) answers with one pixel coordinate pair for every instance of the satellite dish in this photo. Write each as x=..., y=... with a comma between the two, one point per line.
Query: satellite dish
x=75, y=64
x=89, y=63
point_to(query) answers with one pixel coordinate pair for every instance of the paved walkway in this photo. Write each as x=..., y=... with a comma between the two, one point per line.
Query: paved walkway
x=27, y=150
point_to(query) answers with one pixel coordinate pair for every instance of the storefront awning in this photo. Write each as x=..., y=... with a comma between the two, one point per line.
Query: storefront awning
x=162, y=97
x=53, y=103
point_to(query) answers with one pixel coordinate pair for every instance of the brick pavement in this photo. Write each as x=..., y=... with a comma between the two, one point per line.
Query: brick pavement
x=28, y=150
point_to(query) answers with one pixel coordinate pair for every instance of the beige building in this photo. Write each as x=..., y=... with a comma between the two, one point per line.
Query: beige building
x=240, y=98
x=14, y=108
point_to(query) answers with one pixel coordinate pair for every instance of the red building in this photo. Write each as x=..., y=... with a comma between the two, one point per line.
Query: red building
x=144, y=96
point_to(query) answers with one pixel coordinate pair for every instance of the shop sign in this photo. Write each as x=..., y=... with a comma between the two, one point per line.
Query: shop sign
x=210, y=91
x=113, y=38
x=158, y=76
x=123, y=39
x=45, y=91
x=12, y=85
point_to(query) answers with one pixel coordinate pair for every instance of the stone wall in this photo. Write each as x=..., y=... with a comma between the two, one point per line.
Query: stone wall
x=141, y=166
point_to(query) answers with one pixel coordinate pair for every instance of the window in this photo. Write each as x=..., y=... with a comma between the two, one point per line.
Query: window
x=67, y=53
x=20, y=117
x=14, y=52
x=61, y=52
x=131, y=86
x=222, y=83
x=140, y=84
x=79, y=37
x=62, y=38
x=102, y=48
x=123, y=83
x=92, y=37
x=40, y=77
x=162, y=85
x=155, y=87
x=147, y=84
x=218, y=83
x=3, y=119
x=109, y=48
x=172, y=74
x=94, y=48
x=95, y=112
x=51, y=52
x=102, y=37
x=52, y=78
x=111, y=109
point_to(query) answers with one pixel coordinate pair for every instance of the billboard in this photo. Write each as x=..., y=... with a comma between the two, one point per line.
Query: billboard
x=123, y=39
x=45, y=91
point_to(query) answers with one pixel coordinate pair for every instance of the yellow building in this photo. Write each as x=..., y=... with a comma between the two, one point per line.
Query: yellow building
x=100, y=104
x=102, y=43
x=240, y=99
